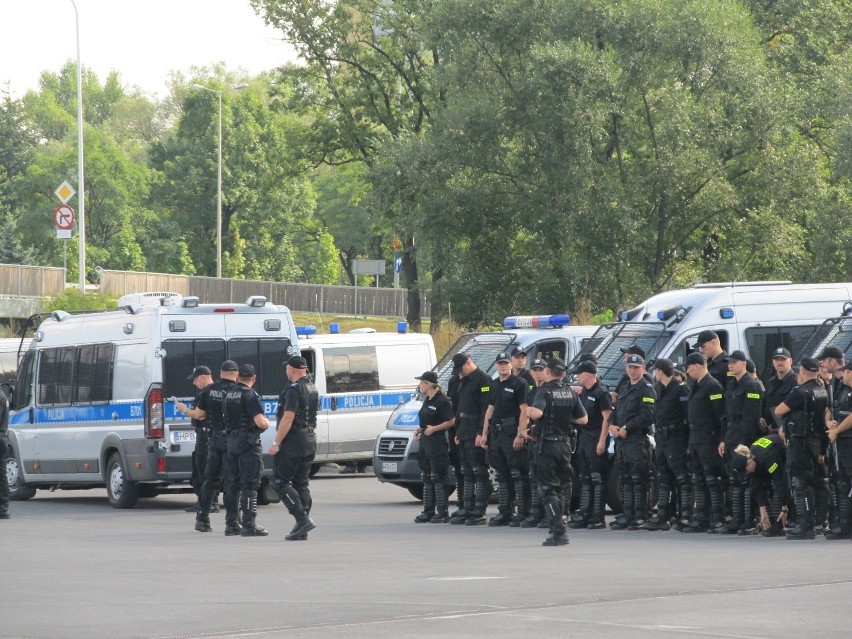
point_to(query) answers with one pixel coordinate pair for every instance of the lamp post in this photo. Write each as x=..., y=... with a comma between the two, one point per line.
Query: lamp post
x=219, y=93
x=81, y=187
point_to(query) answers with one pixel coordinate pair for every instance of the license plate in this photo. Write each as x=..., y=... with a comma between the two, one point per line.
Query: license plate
x=389, y=467
x=183, y=436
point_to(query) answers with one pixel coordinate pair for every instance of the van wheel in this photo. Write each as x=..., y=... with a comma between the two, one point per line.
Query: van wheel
x=416, y=491
x=315, y=468
x=18, y=491
x=122, y=492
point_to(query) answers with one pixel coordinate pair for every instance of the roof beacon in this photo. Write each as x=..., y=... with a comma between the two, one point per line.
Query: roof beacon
x=536, y=321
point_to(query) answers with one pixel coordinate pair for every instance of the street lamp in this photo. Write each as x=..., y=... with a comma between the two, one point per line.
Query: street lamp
x=81, y=187
x=219, y=93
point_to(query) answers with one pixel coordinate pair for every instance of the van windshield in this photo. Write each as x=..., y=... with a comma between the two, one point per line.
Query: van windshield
x=609, y=339
x=836, y=332
x=482, y=348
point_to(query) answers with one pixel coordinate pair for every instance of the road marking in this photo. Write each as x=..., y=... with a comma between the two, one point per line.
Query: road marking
x=461, y=578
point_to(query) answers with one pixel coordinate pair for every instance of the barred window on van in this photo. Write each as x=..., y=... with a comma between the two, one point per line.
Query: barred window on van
x=267, y=356
x=351, y=369
x=94, y=374
x=56, y=375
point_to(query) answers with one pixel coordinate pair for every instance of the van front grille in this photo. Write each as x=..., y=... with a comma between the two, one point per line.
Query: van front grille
x=392, y=448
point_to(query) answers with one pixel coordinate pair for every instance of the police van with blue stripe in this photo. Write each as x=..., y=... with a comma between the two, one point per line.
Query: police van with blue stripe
x=87, y=409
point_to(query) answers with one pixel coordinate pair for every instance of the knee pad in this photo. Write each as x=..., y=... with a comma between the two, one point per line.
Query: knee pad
x=437, y=479
x=636, y=479
x=597, y=478
x=516, y=474
x=714, y=481
x=682, y=480
x=480, y=472
x=797, y=483
x=425, y=477
x=548, y=491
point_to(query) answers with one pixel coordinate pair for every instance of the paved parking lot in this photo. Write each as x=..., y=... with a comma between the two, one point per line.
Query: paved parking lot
x=74, y=567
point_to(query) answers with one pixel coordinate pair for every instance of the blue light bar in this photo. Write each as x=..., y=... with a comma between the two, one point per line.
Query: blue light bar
x=402, y=327
x=304, y=331
x=334, y=328
x=624, y=316
x=726, y=313
x=536, y=321
x=661, y=315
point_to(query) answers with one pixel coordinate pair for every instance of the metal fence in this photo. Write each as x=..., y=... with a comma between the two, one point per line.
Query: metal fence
x=311, y=298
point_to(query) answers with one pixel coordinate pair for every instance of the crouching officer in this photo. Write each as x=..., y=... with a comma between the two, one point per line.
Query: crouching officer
x=803, y=415
x=556, y=409
x=436, y=417
x=245, y=422
x=5, y=452
x=763, y=463
x=295, y=446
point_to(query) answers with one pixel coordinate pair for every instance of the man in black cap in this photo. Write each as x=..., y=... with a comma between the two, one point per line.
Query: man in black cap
x=764, y=464
x=245, y=422
x=743, y=407
x=591, y=448
x=212, y=404
x=201, y=378
x=295, y=446
x=630, y=423
x=840, y=434
x=506, y=402
x=710, y=346
x=706, y=414
x=833, y=359
x=556, y=409
x=519, y=366
x=454, y=447
x=436, y=416
x=803, y=414
x=474, y=389
x=778, y=386
x=671, y=435
x=525, y=436
x=624, y=382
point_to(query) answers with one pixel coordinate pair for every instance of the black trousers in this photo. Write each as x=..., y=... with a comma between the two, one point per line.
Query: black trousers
x=553, y=467
x=244, y=461
x=199, y=459
x=215, y=471
x=5, y=453
x=503, y=457
x=588, y=460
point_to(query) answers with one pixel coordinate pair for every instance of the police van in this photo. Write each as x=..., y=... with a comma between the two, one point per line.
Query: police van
x=834, y=332
x=87, y=409
x=361, y=377
x=544, y=336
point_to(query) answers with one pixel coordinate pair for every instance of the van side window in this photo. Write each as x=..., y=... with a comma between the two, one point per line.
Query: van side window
x=687, y=345
x=23, y=384
x=762, y=342
x=548, y=350
x=351, y=369
x=267, y=356
x=56, y=375
x=94, y=374
x=182, y=355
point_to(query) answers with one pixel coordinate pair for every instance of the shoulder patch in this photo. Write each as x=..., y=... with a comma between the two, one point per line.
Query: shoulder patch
x=648, y=400
x=485, y=389
x=715, y=397
x=753, y=395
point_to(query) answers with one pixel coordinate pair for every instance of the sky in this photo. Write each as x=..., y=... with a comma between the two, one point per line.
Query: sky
x=142, y=40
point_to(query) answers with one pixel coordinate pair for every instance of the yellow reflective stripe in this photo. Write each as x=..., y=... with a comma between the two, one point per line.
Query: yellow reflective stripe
x=648, y=400
x=730, y=374
x=753, y=395
x=485, y=389
x=763, y=442
x=713, y=397
x=773, y=468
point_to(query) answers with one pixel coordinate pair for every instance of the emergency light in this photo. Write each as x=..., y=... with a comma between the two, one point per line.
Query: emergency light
x=726, y=313
x=304, y=331
x=536, y=321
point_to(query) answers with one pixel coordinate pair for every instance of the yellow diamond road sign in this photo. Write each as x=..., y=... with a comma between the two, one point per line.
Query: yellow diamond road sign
x=65, y=192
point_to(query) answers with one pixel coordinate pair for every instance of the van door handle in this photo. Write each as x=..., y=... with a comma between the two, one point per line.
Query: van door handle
x=333, y=403
x=32, y=415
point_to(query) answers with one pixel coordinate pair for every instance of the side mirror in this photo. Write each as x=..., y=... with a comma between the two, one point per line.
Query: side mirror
x=7, y=390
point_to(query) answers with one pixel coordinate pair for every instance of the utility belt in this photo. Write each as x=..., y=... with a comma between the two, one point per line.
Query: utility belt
x=470, y=417
x=671, y=431
x=499, y=425
x=798, y=429
x=305, y=429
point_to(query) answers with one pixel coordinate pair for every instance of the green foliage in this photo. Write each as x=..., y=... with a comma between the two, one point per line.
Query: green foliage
x=74, y=300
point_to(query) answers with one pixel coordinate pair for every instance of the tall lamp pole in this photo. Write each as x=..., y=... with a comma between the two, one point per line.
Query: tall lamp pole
x=81, y=187
x=219, y=93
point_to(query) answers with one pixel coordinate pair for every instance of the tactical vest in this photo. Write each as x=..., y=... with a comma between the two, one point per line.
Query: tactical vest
x=843, y=408
x=560, y=410
x=216, y=406
x=235, y=417
x=306, y=415
x=807, y=421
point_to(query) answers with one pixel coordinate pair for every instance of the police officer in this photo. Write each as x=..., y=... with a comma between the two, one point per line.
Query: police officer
x=831, y=360
x=201, y=378
x=556, y=409
x=706, y=413
x=524, y=440
x=295, y=445
x=5, y=453
x=519, y=366
x=454, y=447
x=630, y=423
x=245, y=422
x=671, y=435
x=506, y=402
x=210, y=407
x=763, y=463
x=778, y=386
x=803, y=414
x=591, y=448
x=743, y=407
x=436, y=417
x=840, y=435
x=710, y=346
x=624, y=382
x=474, y=388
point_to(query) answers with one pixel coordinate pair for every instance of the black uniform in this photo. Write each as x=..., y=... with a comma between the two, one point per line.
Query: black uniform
x=743, y=409
x=768, y=482
x=510, y=465
x=212, y=401
x=292, y=462
x=434, y=458
x=202, y=441
x=5, y=452
x=842, y=408
x=776, y=391
x=804, y=427
x=455, y=449
x=718, y=368
x=634, y=411
x=537, y=515
x=671, y=435
x=244, y=457
x=470, y=412
x=560, y=407
x=591, y=467
x=706, y=413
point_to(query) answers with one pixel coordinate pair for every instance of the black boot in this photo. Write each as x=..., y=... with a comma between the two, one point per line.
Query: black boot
x=460, y=509
x=717, y=494
x=624, y=520
x=580, y=519
x=232, y=527
x=701, y=514
x=462, y=516
x=248, y=501
x=737, y=508
x=504, y=508
x=686, y=501
x=535, y=515
x=553, y=508
x=640, y=502
x=660, y=521
x=202, y=524
x=428, y=503
x=441, y=514
x=598, y=499
x=804, y=529
x=522, y=494
x=823, y=500
x=748, y=526
x=841, y=528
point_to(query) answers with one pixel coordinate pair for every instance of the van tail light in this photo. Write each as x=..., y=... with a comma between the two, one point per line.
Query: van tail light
x=154, y=421
x=161, y=464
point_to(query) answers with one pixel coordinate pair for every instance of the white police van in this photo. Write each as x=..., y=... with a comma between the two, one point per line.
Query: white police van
x=88, y=409
x=544, y=336
x=361, y=376
x=834, y=332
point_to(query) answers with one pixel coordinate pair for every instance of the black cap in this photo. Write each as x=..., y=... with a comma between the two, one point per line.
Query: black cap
x=738, y=462
x=781, y=352
x=704, y=337
x=736, y=356
x=518, y=352
x=831, y=351
x=695, y=358
x=198, y=370
x=459, y=359
x=634, y=349
x=429, y=376
x=665, y=366
x=809, y=364
x=750, y=367
x=586, y=367
x=246, y=371
x=635, y=360
x=538, y=363
x=589, y=357
x=502, y=357
x=297, y=361
x=229, y=366
x=556, y=365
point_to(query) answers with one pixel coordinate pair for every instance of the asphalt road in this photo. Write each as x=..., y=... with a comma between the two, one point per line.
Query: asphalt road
x=71, y=566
